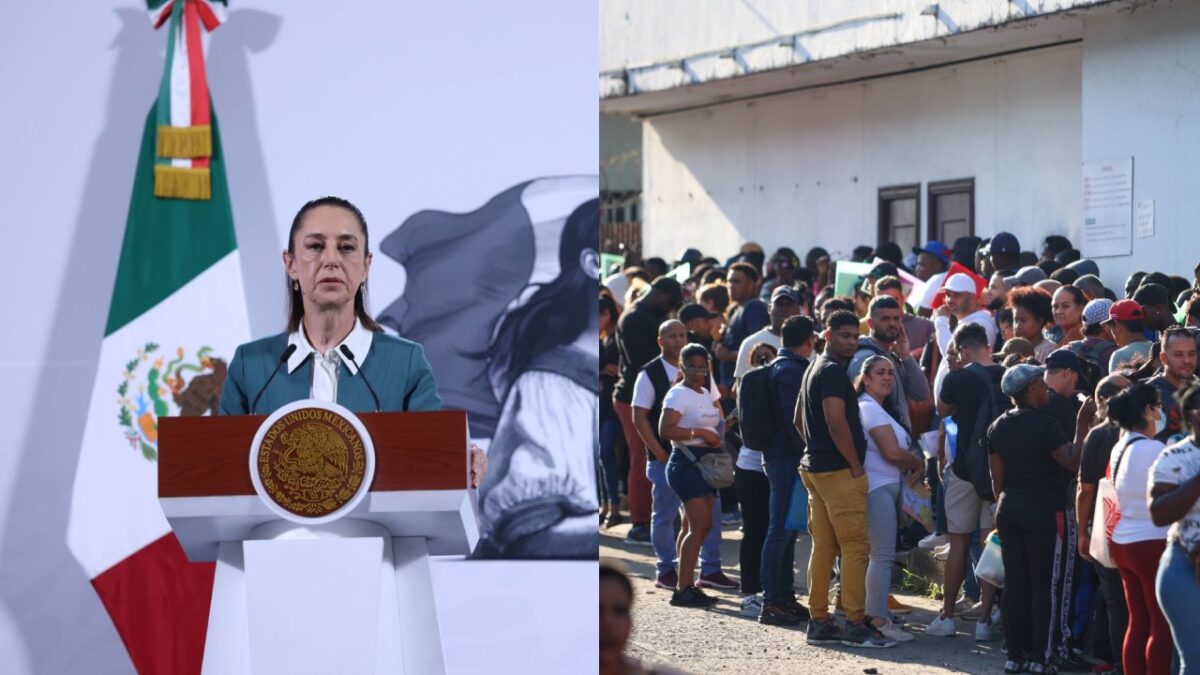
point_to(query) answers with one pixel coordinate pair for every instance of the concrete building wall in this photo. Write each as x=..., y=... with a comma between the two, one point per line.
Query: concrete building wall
x=1141, y=98
x=805, y=169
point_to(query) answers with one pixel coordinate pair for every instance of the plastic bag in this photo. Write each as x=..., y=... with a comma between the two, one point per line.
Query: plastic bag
x=797, y=513
x=991, y=562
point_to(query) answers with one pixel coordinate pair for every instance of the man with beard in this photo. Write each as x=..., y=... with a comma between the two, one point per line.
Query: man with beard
x=1178, y=357
x=785, y=302
x=888, y=338
x=749, y=317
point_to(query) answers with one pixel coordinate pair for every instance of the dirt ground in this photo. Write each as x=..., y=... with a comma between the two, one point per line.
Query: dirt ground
x=720, y=640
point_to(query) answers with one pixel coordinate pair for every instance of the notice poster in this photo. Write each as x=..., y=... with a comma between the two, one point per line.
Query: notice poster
x=1107, y=208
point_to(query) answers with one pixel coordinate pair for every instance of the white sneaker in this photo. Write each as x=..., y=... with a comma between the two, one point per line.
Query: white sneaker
x=942, y=552
x=986, y=632
x=933, y=541
x=996, y=616
x=941, y=627
x=752, y=606
x=891, y=630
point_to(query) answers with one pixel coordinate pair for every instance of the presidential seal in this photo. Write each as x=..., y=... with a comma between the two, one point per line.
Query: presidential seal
x=312, y=461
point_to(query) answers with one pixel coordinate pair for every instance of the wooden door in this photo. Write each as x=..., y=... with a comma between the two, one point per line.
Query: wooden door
x=951, y=210
x=899, y=215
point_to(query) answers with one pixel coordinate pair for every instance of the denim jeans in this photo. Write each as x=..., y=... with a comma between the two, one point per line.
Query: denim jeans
x=664, y=505
x=610, y=477
x=1179, y=596
x=779, y=548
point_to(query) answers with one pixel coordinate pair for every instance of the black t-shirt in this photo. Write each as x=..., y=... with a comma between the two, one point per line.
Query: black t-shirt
x=823, y=379
x=608, y=356
x=1065, y=411
x=1097, y=450
x=637, y=345
x=1025, y=438
x=963, y=388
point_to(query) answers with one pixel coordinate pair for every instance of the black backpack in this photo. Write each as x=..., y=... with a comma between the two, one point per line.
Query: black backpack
x=976, y=460
x=756, y=414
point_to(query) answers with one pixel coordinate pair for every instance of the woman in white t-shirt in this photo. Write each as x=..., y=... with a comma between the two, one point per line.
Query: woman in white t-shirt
x=1175, y=501
x=690, y=419
x=887, y=458
x=1136, y=542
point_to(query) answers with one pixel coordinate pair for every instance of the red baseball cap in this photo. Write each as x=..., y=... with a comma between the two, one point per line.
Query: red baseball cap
x=1126, y=310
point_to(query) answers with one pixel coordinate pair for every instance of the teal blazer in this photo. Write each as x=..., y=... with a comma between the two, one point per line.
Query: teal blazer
x=397, y=369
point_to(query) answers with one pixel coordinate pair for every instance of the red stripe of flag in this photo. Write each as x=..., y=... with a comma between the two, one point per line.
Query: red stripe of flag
x=159, y=602
x=196, y=74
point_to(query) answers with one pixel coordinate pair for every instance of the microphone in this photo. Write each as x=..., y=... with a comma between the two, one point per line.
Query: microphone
x=287, y=353
x=350, y=355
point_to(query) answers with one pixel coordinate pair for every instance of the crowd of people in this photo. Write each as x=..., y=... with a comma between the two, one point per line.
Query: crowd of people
x=1034, y=407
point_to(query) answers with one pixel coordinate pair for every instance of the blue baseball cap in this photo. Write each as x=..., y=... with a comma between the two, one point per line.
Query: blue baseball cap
x=935, y=248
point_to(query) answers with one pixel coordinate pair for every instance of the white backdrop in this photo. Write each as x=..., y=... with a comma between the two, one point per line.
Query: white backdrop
x=398, y=106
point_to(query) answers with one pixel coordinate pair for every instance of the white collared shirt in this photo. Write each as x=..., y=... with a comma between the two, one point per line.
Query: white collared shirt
x=325, y=366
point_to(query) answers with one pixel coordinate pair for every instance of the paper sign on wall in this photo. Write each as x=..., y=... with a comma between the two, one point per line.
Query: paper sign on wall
x=1107, y=208
x=1145, y=219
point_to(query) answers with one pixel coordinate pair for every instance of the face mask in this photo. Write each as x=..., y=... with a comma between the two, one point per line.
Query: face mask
x=1161, y=422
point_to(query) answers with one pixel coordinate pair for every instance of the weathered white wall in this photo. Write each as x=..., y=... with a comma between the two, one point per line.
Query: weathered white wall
x=805, y=169
x=1141, y=97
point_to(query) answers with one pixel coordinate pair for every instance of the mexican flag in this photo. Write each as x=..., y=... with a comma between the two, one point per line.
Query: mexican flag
x=176, y=316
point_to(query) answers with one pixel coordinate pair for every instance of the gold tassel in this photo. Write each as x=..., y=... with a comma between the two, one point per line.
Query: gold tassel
x=179, y=182
x=185, y=141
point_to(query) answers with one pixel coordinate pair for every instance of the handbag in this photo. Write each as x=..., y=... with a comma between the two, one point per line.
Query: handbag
x=991, y=562
x=716, y=468
x=797, y=513
x=1106, y=514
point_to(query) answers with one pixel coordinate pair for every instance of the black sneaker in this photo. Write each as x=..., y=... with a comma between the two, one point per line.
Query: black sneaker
x=864, y=634
x=823, y=632
x=692, y=597
x=639, y=535
x=779, y=614
x=1043, y=669
x=799, y=610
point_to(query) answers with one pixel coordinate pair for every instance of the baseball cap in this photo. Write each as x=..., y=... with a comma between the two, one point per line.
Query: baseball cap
x=935, y=248
x=960, y=283
x=1096, y=311
x=1153, y=294
x=1125, y=310
x=1026, y=276
x=883, y=269
x=693, y=310
x=1004, y=243
x=1064, y=358
x=785, y=292
x=1085, y=266
x=1018, y=377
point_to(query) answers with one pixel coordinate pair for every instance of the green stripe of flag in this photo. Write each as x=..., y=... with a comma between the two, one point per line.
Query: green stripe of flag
x=168, y=242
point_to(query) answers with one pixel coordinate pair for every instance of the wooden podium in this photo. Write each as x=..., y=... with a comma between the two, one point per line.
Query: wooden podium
x=350, y=596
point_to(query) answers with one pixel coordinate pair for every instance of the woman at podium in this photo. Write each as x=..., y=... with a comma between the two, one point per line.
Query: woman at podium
x=333, y=350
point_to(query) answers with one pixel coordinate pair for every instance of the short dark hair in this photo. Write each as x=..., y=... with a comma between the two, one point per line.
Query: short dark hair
x=1175, y=331
x=887, y=282
x=1134, y=326
x=1056, y=243
x=796, y=330
x=841, y=318
x=839, y=303
x=693, y=349
x=747, y=269
x=970, y=335
x=1127, y=406
x=883, y=302
x=717, y=294
x=609, y=570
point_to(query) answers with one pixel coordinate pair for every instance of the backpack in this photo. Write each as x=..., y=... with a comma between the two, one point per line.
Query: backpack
x=756, y=415
x=975, y=458
x=1093, y=358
